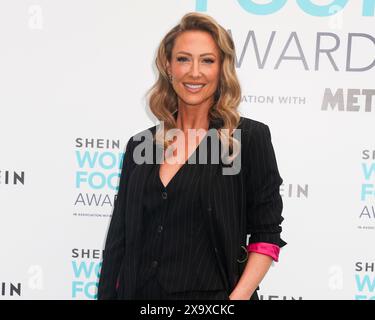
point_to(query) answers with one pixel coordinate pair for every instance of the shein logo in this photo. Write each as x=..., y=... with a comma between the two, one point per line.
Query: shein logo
x=8, y=289
x=12, y=177
x=368, y=7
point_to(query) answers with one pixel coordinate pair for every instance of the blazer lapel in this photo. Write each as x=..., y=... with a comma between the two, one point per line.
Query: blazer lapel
x=137, y=184
x=208, y=182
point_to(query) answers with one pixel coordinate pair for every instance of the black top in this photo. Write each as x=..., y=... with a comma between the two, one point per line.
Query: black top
x=176, y=247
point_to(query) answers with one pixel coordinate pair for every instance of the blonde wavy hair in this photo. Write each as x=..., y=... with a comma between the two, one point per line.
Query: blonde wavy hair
x=163, y=100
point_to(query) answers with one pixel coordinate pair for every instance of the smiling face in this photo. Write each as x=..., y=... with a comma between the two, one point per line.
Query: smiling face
x=195, y=68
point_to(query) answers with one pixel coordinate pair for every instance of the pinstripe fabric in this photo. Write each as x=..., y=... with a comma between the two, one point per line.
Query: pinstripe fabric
x=176, y=245
x=152, y=290
x=232, y=207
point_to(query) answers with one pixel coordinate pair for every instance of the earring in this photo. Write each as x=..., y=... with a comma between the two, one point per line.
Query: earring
x=170, y=77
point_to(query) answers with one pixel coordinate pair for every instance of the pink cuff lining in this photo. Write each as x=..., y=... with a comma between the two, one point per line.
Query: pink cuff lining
x=269, y=249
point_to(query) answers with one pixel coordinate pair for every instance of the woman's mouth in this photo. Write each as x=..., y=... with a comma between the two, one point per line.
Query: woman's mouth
x=193, y=88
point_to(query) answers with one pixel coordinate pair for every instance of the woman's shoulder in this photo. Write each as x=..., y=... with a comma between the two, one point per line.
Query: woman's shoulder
x=140, y=136
x=252, y=129
x=251, y=124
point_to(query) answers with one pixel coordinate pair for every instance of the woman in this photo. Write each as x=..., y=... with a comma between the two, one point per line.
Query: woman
x=179, y=230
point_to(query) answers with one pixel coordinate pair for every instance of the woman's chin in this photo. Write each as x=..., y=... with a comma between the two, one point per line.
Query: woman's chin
x=193, y=100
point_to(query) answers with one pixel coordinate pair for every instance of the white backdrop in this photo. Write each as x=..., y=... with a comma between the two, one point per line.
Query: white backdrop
x=73, y=78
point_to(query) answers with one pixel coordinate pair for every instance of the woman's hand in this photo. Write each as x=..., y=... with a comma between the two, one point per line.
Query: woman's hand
x=238, y=295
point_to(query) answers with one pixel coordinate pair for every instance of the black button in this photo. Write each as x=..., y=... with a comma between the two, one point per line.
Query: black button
x=216, y=250
x=209, y=209
x=154, y=264
x=164, y=195
x=160, y=228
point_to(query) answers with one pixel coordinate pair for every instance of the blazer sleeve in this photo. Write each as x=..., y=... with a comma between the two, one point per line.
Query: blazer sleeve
x=115, y=241
x=263, y=200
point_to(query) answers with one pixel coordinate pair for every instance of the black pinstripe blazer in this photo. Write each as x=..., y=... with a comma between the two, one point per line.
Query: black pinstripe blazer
x=235, y=206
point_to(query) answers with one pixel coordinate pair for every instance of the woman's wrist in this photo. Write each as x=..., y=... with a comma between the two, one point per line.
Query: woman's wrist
x=240, y=293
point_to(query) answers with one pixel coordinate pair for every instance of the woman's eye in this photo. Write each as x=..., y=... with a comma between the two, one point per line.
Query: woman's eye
x=181, y=59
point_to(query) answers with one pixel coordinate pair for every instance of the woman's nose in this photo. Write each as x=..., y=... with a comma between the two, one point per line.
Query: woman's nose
x=195, y=69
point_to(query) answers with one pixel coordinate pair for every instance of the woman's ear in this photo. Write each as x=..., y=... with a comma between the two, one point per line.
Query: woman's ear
x=168, y=67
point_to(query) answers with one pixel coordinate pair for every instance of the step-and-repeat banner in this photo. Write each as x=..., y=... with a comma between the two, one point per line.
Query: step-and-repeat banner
x=73, y=79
